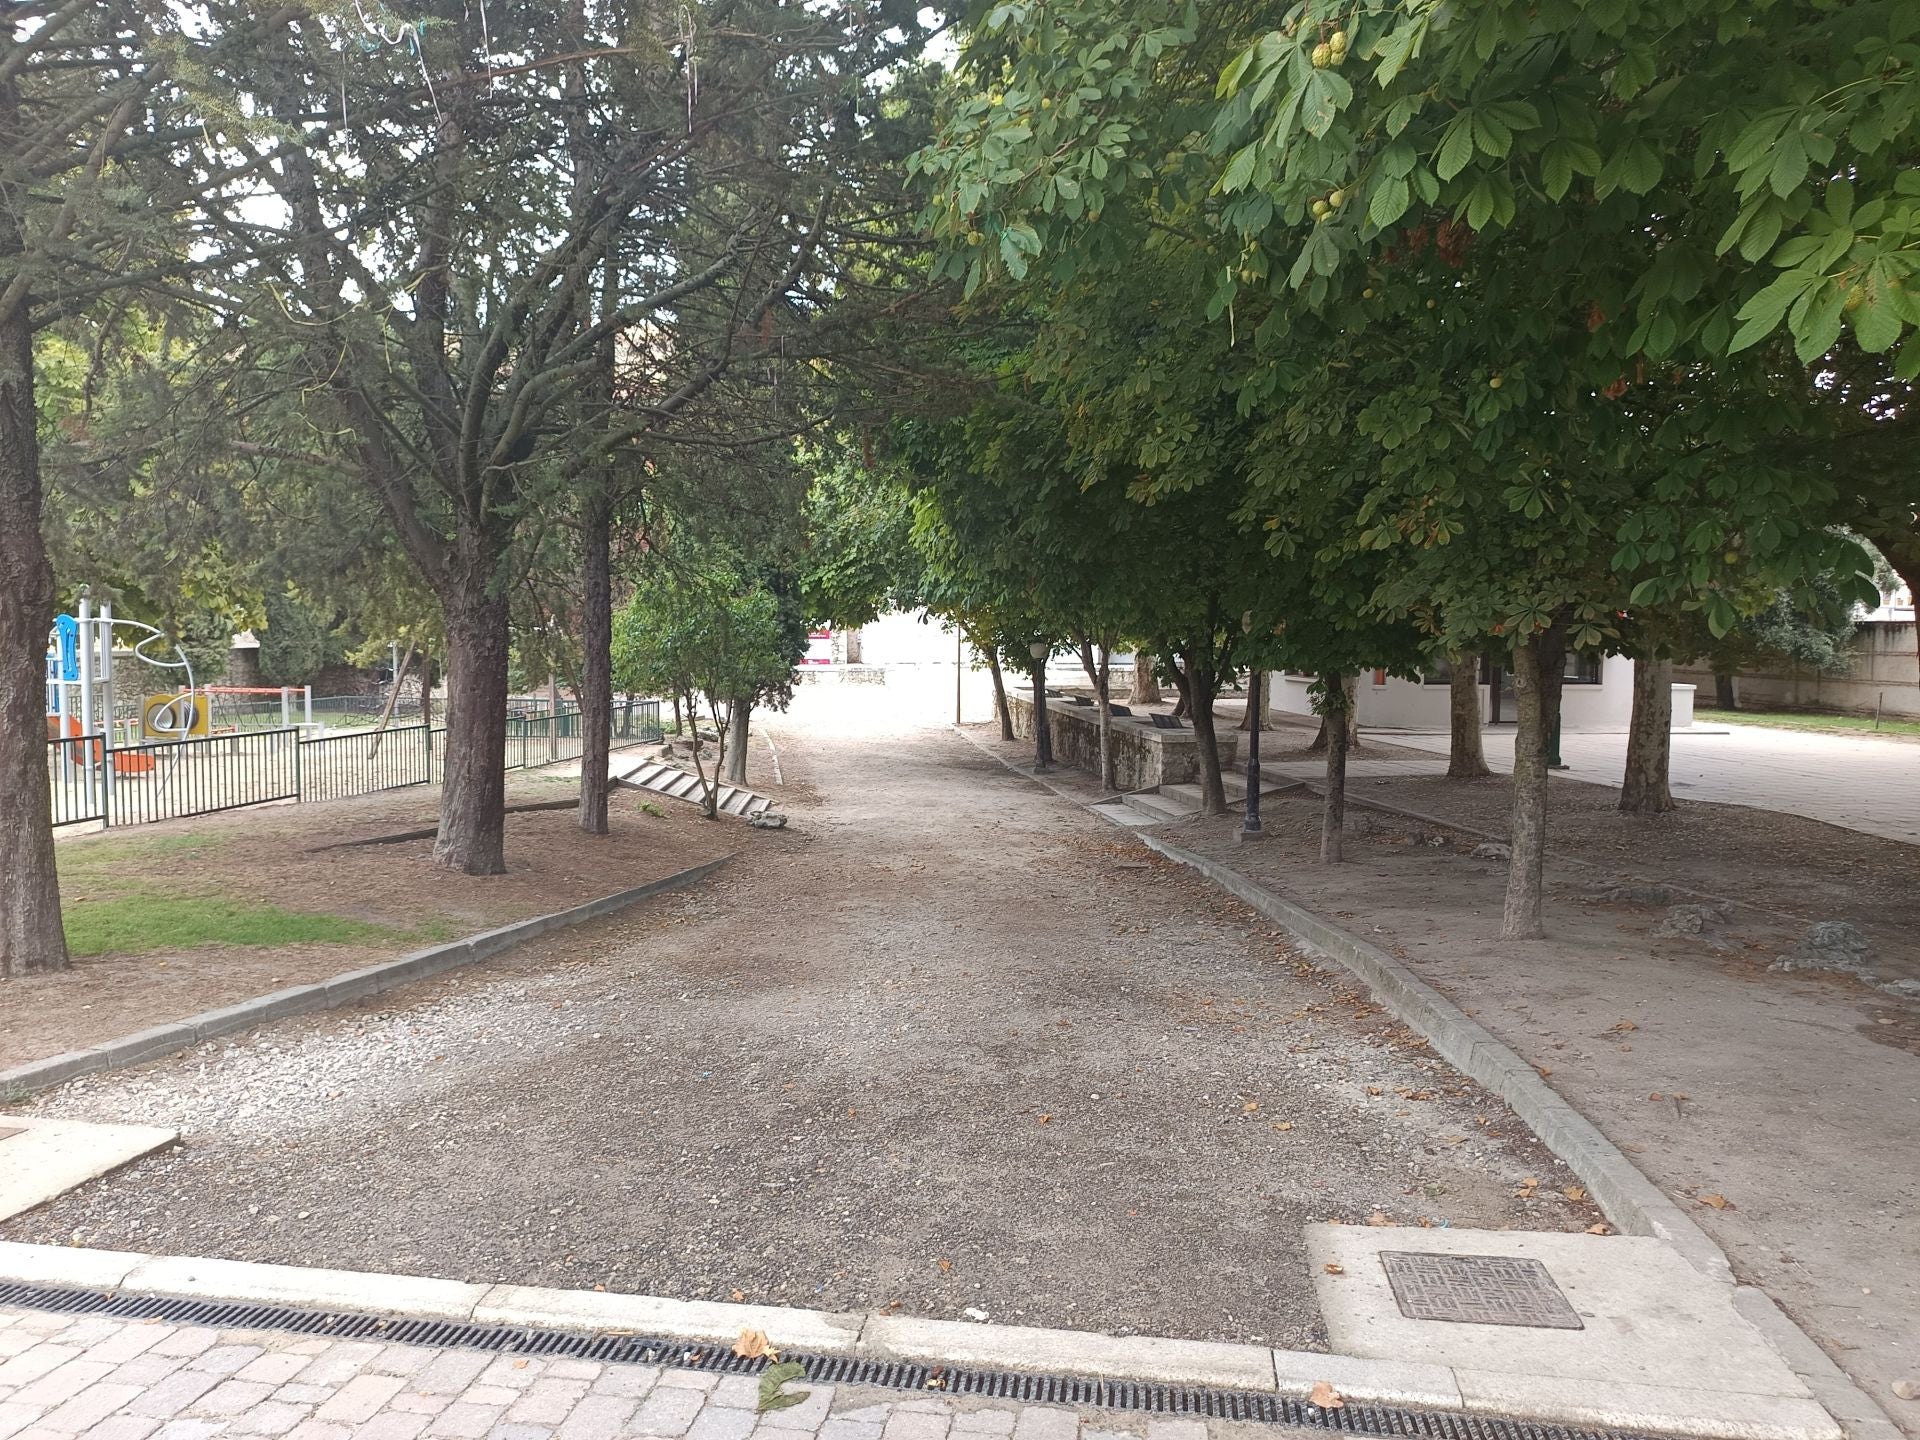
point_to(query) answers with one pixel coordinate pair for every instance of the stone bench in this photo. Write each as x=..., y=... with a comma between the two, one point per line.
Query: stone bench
x=1143, y=756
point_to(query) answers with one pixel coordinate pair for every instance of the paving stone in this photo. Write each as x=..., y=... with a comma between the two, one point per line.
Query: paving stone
x=669, y=1410
x=391, y=1425
x=270, y=1417
x=547, y=1401
x=490, y=1395
x=992, y=1423
x=42, y=1359
x=809, y=1414
x=915, y=1425
x=57, y=1387
x=301, y=1393
x=1176, y=1430
x=89, y=1407
x=1043, y=1422
x=42, y=1322
x=339, y=1363
x=840, y=1428
x=360, y=1399
x=717, y=1423
x=737, y=1392
x=187, y=1340
x=520, y=1432
x=123, y=1427
x=597, y=1417
x=230, y=1397
x=400, y=1360
x=567, y=1367
x=419, y=1402
x=89, y=1330
x=516, y=1374
x=689, y=1379
x=274, y=1368
x=127, y=1342
x=15, y=1418
x=226, y=1359
x=148, y=1369
x=1088, y=1432
x=464, y=1422
x=173, y=1394
x=12, y=1342
x=450, y=1372
x=189, y=1429
x=320, y=1430
x=633, y=1381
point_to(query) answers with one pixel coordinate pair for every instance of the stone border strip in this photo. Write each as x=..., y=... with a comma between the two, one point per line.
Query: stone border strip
x=1634, y=1204
x=1286, y=1373
x=150, y=1044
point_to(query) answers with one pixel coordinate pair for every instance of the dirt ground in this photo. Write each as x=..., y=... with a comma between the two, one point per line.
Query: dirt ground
x=1784, y=1108
x=947, y=1045
x=273, y=854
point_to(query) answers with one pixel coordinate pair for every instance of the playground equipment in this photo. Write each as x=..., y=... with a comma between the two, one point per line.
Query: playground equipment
x=81, y=703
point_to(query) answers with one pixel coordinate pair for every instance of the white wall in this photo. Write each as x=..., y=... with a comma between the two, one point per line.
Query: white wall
x=906, y=638
x=1882, y=673
x=1408, y=705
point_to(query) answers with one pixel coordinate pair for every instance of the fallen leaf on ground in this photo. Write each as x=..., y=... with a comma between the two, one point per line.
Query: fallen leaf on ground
x=1717, y=1201
x=1045, y=1119
x=754, y=1345
x=1284, y=1126
x=1250, y=1107
x=1325, y=1396
x=1574, y=1193
x=1380, y=1219
x=1656, y=1095
x=1600, y=1228
x=946, y=1266
x=1623, y=1027
x=1333, y=1269
x=1907, y=1389
x=738, y=1295
x=1453, y=1139
x=1546, y=1071
x=772, y=1397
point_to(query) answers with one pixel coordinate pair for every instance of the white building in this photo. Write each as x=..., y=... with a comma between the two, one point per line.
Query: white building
x=1597, y=695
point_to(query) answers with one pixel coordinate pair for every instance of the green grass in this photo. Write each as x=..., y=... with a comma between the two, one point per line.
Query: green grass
x=130, y=924
x=1801, y=720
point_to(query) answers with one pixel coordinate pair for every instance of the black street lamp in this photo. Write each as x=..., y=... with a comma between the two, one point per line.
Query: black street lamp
x=1042, y=741
x=1256, y=712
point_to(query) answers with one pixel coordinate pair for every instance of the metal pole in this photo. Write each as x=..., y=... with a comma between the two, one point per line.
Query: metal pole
x=1042, y=741
x=553, y=717
x=959, y=658
x=307, y=692
x=286, y=707
x=1554, y=762
x=1256, y=711
x=89, y=772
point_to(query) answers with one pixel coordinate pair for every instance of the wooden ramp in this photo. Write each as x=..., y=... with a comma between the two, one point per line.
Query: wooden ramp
x=677, y=784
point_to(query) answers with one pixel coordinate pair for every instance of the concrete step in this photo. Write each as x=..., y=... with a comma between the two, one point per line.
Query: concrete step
x=1157, y=807
x=1188, y=795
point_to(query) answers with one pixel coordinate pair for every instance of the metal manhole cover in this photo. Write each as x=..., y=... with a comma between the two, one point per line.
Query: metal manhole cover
x=1478, y=1290
x=8, y=1131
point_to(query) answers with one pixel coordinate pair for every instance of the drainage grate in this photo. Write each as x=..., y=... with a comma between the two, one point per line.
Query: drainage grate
x=1195, y=1402
x=1478, y=1290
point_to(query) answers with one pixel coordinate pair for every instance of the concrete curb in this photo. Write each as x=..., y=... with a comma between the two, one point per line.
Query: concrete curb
x=1634, y=1204
x=144, y=1045
x=1251, y=1368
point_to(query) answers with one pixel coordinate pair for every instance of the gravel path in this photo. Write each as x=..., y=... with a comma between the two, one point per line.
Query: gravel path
x=948, y=1044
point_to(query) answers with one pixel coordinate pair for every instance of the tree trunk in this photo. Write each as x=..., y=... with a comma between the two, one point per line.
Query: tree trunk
x=473, y=792
x=31, y=936
x=393, y=699
x=1333, y=815
x=1526, y=871
x=1350, y=688
x=1146, y=688
x=992, y=654
x=426, y=686
x=739, y=716
x=1643, y=788
x=709, y=794
x=1198, y=692
x=1256, y=705
x=1723, y=696
x=1101, y=674
x=596, y=655
x=1466, y=754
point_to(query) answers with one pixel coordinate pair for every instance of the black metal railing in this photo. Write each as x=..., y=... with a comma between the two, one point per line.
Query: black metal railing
x=92, y=781
x=364, y=762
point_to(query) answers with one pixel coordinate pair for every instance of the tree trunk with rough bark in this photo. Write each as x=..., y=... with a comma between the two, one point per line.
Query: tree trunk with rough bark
x=1198, y=693
x=1466, y=754
x=1526, y=871
x=473, y=788
x=1351, y=687
x=1724, y=697
x=32, y=938
x=1333, y=814
x=992, y=655
x=1643, y=786
x=1256, y=705
x=739, y=717
x=596, y=655
x=1146, y=688
x=1100, y=672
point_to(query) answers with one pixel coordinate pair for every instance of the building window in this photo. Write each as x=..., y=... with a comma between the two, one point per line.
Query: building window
x=1583, y=667
x=1379, y=677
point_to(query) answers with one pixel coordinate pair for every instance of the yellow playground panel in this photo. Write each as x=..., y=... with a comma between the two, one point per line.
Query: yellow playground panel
x=175, y=717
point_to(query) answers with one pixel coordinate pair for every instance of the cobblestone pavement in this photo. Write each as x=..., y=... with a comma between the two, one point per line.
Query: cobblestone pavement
x=63, y=1377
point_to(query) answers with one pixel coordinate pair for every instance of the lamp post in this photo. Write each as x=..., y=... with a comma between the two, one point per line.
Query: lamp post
x=1256, y=712
x=1042, y=741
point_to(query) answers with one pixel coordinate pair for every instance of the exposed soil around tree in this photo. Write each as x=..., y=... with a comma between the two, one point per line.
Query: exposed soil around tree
x=1783, y=1109
x=275, y=855
x=948, y=1045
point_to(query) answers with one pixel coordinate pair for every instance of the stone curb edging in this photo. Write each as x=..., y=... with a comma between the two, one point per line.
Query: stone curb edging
x=1634, y=1204
x=1288, y=1373
x=150, y=1044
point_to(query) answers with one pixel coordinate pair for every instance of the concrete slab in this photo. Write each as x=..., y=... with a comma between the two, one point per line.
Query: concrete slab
x=45, y=1158
x=1069, y=1352
x=68, y=1267
x=814, y=1330
x=1367, y=1382
x=298, y=1285
x=1647, y=1409
x=1651, y=1320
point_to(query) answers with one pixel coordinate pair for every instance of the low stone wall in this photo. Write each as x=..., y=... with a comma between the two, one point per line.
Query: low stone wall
x=1143, y=756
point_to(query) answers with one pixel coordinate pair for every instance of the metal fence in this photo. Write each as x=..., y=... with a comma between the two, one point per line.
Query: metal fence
x=117, y=785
